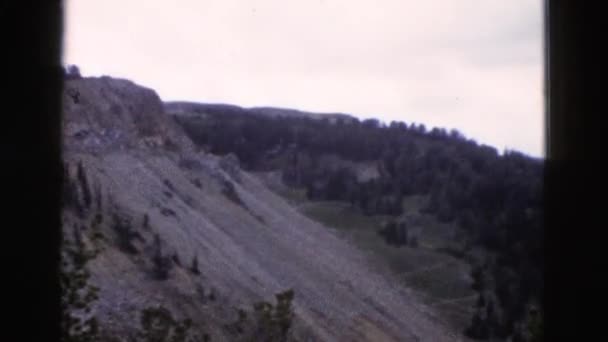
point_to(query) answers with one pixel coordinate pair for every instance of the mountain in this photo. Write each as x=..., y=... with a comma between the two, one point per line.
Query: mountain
x=194, y=108
x=202, y=235
x=416, y=200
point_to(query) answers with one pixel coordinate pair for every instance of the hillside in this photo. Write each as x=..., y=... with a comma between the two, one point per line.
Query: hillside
x=194, y=108
x=412, y=199
x=162, y=204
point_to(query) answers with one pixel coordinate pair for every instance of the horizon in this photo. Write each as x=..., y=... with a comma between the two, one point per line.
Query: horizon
x=470, y=66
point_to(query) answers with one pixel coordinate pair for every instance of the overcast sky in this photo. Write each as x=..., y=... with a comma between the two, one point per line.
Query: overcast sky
x=473, y=65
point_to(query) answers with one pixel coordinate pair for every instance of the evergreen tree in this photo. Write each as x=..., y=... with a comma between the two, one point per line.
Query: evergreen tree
x=194, y=267
x=159, y=325
x=77, y=296
x=161, y=263
x=84, y=186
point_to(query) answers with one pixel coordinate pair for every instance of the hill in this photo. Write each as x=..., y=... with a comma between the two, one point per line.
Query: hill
x=203, y=236
x=397, y=187
x=200, y=109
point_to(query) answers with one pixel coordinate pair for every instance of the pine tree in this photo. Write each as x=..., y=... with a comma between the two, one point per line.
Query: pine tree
x=161, y=263
x=84, y=185
x=77, y=295
x=146, y=222
x=159, y=325
x=194, y=267
x=125, y=233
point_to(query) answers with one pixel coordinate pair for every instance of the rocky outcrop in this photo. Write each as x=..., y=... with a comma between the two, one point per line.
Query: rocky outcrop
x=249, y=243
x=105, y=114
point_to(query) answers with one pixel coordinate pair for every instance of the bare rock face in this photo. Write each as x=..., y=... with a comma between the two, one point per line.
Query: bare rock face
x=104, y=114
x=249, y=244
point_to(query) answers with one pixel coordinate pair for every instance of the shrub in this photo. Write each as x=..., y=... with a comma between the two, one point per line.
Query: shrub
x=479, y=328
x=167, y=212
x=194, y=267
x=535, y=328
x=212, y=295
x=161, y=264
x=146, y=222
x=414, y=241
x=125, y=234
x=197, y=183
x=273, y=323
x=395, y=233
x=70, y=193
x=158, y=325
x=175, y=258
x=77, y=295
x=72, y=72
x=98, y=199
x=84, y=186
x=266, y=323
x=230, y=192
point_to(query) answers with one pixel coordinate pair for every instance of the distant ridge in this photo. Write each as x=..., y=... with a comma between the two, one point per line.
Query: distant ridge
x=193, y=108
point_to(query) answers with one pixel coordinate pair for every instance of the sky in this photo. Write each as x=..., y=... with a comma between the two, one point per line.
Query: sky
x=471, y=65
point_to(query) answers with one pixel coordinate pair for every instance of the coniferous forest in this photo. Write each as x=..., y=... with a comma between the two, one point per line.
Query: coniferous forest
x=494, y=200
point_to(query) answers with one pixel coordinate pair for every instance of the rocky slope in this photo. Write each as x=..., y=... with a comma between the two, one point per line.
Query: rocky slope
x=249, y=242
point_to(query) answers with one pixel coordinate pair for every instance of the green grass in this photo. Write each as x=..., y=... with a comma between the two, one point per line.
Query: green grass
x=363, y=231
x=428, y=269
x=443, y=281
x=339, y=215
x=293, y=195
x=436, y=275
x=414, y=204
x=273, y=181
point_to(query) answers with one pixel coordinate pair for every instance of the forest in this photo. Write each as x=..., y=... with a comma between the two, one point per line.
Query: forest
x=494, y=199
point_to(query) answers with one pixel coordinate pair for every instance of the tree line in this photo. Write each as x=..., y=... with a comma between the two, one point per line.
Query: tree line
x=495, y=199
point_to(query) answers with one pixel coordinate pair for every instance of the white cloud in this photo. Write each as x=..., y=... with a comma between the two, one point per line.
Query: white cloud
x=470, y=64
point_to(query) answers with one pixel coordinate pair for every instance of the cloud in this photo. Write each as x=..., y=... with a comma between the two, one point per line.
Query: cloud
x=467, y=64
